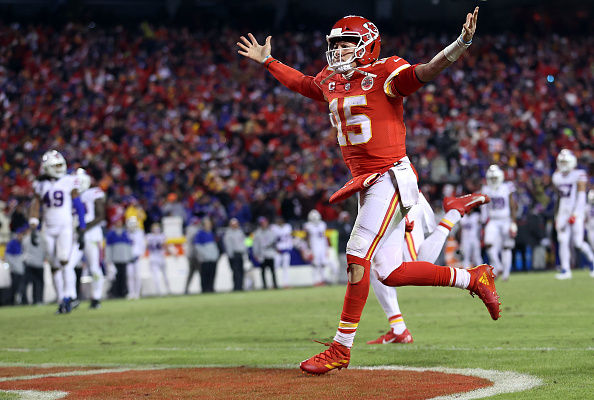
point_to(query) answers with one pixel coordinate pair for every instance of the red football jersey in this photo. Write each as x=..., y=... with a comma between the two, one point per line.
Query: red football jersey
x=366, y=110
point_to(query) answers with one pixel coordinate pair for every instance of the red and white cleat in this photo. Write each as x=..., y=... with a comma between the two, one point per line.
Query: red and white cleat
x=336, y=356
x=484, y=286
x=391, y=337
x=465, y=203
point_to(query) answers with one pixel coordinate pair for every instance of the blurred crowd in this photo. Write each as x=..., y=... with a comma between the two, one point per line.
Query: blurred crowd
x=175, y=122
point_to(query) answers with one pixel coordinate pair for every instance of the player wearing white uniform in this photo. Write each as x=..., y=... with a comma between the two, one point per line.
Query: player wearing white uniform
x=56, y=195
x=470, y=240
x=420, y=221
x=93, y=198
x=155, y=244
x=284, y=245
x=590, y=224
x=138, y=250
x=570, y=184
x=500, y=218
x=317, y=242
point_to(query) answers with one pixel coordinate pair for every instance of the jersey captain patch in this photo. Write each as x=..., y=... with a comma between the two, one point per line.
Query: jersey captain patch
x=367, y=83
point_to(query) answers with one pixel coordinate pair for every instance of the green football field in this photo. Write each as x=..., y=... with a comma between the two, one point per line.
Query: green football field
x=546, y=330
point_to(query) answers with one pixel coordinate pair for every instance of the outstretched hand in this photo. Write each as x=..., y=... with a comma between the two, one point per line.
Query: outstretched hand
x=469, y=27
x=253, y=50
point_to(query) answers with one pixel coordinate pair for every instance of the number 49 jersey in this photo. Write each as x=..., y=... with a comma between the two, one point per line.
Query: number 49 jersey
x=368, y=113
x=566, y=185
x=56, y=199
x=498, y=207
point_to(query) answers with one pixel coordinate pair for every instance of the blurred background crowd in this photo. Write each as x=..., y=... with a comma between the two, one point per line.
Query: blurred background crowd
x=169, y=119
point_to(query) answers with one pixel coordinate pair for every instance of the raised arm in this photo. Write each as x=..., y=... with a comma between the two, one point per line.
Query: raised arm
x=445, y=58
x=286, y=75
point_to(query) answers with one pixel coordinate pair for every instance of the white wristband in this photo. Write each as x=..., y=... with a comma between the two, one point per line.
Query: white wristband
x=34, y=222
x=265, y=58
x=455, y=50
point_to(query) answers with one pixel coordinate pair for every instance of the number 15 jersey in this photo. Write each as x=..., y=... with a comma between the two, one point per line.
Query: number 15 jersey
x=366, y=108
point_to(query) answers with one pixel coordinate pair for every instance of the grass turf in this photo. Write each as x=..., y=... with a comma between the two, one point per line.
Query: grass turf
x=546, y=330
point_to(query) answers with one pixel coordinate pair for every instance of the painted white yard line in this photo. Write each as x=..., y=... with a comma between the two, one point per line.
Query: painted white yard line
x=35, y=395
x=392, y=348
x=503, y=381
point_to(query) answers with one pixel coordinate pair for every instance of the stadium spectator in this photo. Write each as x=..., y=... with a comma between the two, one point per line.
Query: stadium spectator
x=174, y=208
x=134, y=209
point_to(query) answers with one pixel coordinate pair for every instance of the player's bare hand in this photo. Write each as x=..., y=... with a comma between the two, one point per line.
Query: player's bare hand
x=469, y=27
x=252, y=49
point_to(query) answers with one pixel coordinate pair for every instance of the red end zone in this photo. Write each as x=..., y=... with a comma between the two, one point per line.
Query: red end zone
x=238, y=383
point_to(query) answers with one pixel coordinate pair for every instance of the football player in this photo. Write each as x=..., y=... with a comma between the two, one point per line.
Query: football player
x=365, y=96
x=138, y=250
x=470, y=239
x=156, y=246
x=419, y=221
x=56, y=195
x=500, y=221
x=317, y=242
x=570, y=184
x=93, y=199
x=590, y=224
x=284, y=246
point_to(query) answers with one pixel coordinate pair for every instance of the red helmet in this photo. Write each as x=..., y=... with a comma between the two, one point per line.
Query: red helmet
x=358, y=30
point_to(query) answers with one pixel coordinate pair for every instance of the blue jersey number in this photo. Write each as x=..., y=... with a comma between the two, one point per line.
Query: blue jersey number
x=56, y=201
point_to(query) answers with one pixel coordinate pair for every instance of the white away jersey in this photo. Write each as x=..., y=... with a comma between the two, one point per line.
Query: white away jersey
x=470, y=227
x=566, y=185
x=498, y=207
x=316, y=234
x=88, y=198
x=284, y=236
x=138, y=242
x=155, y=244
x=56, y=199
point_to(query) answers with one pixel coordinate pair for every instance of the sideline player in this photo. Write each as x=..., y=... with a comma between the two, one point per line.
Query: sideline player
x=590, y=224
x=317, y=242
x=420, y=220
x=500, y=218
x=93, y=199
x=138, y=249
x=570, y=184
x=156, y=244
x=56, y=195
x=470, y=239
x=284, y=246
x=365, y=96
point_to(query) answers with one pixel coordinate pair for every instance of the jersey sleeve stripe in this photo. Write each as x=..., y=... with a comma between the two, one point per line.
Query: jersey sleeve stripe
x=387, y=89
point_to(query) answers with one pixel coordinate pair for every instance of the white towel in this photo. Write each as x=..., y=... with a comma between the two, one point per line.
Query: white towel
x=407, y=183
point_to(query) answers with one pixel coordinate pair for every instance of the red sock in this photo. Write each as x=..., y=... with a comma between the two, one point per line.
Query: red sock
x=420, y=273
x=355, y=299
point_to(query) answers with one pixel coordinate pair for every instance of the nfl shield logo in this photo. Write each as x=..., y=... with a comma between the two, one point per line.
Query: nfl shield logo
x=367, y=83
x=347, y=86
